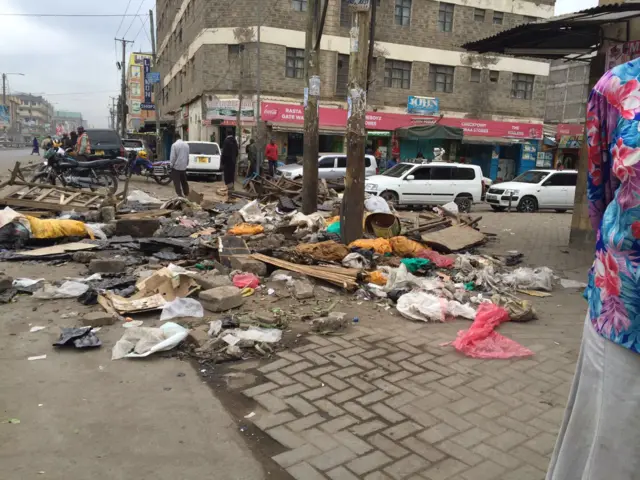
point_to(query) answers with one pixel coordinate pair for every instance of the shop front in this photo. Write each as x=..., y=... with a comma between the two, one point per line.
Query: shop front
x=569, y=138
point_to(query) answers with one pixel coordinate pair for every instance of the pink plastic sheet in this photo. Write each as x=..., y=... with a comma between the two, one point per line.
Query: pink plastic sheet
x=482, y=341
x=441, y=261
x=244, y=280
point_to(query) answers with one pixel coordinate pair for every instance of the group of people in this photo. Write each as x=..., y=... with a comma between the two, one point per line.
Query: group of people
x=79, y=142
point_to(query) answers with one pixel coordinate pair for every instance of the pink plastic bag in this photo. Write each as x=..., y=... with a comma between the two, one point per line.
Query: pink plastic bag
x=244, y=280
x=441, y=261
x=482, y=341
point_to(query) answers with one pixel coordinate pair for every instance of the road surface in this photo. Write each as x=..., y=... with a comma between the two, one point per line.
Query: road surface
x=9, y=156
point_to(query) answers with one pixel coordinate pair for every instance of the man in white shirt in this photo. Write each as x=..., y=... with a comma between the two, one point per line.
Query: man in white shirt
x=179, y=160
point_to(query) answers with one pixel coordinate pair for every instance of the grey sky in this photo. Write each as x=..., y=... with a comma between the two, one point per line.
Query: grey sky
x=70, y=60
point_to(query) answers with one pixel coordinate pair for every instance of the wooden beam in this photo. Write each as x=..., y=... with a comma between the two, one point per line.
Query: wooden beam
x=47, y=191
x=70, y=198
x=20, y=202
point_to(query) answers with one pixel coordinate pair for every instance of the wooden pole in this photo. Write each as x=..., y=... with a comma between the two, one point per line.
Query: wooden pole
x=352, y=209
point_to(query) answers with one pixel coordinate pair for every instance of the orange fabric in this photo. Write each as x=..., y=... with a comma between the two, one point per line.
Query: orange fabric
x=379, y=245
x=405, y=247
x=246, y=229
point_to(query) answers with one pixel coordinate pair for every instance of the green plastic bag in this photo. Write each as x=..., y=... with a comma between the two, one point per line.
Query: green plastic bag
x=415, y=264
x=334, y=228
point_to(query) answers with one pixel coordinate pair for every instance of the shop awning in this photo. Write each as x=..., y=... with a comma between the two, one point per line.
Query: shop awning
x=573, y=36
x=430, y=132
x=490, y=141
x=295, y=128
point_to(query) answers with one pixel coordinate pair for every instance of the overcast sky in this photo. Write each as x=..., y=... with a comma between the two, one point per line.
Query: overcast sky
x=72, y=60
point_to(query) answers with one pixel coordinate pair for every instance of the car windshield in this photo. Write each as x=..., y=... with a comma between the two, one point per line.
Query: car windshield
x=132, y=143
x=532, y=176
x=103, y=137
x=204, y=149
x=398, y=170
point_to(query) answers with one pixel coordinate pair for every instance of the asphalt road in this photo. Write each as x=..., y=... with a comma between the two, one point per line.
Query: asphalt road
x=9, y=156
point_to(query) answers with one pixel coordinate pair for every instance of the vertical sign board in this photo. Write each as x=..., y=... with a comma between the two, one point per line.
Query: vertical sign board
x=148, y=86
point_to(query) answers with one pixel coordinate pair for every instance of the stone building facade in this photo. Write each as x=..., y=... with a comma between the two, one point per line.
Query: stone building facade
x=567, y=92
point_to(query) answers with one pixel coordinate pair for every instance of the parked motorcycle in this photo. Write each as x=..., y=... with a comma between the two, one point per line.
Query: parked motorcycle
x=93, y=174
x=159, y=171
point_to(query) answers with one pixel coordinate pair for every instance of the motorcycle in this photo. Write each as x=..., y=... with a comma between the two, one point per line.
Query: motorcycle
x=160, y=171
x=93, y=174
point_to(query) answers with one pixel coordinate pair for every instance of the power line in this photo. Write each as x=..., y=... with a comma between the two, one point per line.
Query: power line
x=131, y=24
x=67, y=15
x=141, y=28
x=122, y=21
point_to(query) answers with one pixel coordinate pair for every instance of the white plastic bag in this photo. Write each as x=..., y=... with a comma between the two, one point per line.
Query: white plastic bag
x=182, y=307
x=139, y=196
x=68, y=289
x=568, y=283
x=530, y=279
x=140, y=342
x=26, y=282
x=96, y=229
x=356, y=260
x=375, y=204
x=257, y=334
x=423, y=306
x=215, y=326
x=313, y=222
x=251, y=213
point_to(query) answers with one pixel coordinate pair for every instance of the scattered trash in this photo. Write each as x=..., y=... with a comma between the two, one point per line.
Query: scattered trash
x=415, y=264
x=246, y=229
x=36, y=329
x=419, y=305
x=138, y=196
x=356, y=260
x=38, y=357
x=14, y=421
x=250, y=415
x=68, y=289
x=379, y=245
x=334, y=322
x=376, y=204
x=82, y=337
x=567, y=283
x=181, y=308
x=140, y=342
x=530, y=279
x=133, y=324
x=244, y=280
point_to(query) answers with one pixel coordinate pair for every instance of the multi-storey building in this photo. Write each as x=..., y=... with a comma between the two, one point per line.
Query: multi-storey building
x=33, y=114
x=208, y=51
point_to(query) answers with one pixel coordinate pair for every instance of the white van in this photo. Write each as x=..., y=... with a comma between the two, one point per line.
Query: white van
x=204, y=159
x=332, y=166
x=434, y=183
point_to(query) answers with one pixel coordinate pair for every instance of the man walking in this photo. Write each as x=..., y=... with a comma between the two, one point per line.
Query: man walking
x=179, y=160
x=271, y=153
x=228, y=158
x=252, y=156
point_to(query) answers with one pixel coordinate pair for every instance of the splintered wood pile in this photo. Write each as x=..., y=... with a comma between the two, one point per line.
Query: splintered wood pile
x=271, y=190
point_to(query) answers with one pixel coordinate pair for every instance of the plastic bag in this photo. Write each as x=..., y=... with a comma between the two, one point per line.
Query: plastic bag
x=415, y=264
x=251, y=213
x=244, y=280
x=140, y=342
x=355, y=260
x=378, y=278
x=441, y=261
x=54, y=228
x=530, y=279
x=482, y=341
x=138, y=196
x=379, y=245
x=256, y=334
x=451, y=208
x=182, y=307
x=96, y=229
x=400, y=279
x=313, y=222
x=334, y=228
x=568, y=283
x=246, y=229
x=328, y=251
x=405, y=247
x=68, y=289
x=377, y=204
x=426, y=307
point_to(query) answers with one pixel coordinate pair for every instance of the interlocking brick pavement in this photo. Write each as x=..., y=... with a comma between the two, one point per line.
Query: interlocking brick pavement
x=387, y=400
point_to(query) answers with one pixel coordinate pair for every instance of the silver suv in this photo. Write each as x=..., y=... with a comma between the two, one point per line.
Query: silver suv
x=332, y=166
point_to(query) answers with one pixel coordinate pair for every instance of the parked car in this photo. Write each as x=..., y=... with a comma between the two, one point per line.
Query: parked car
x=133, y=145
x=429, y=184
x=105, y=143
x=536, y=189
x=204, y=159
x=331, y=167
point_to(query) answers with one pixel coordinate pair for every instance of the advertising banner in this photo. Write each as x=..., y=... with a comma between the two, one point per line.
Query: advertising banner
x=423, y=105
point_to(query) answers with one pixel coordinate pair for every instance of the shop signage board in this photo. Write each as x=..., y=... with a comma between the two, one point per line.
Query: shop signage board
x=154, y=77
x=423, y=105
x=227, y=109
x=622, y=53
x=570, y=129
x=336, y=117
x=360, y=5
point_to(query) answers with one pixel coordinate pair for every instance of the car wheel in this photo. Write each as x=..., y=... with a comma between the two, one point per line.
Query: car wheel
x=528, y=205
x=464, y=203
x=497, y=209
x=561, y=210
x=390, y=197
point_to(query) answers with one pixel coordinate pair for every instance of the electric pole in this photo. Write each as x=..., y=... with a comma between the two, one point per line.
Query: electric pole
x=259, y=131
x=123, y=88
x=240, y=85
x=112, y=111
x=156, y=87
x=353, y=199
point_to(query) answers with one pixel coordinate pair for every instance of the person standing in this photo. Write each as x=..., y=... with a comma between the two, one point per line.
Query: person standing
x=47, y=143
x=36, y=147
x=600, y=434
x=179, y=160
x=252, y=156
x=73, y=139
x=271, y=152
x=83, y=145
x=228, y=158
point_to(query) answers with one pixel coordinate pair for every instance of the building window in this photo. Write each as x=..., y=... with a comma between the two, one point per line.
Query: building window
x=494, y=75
x=498, y=18
x=342, y=76
x=522, y=86
x=295, y=62
x=475, y=75
x=397, y=74
x=403, y=12
x=234, y=51
x=345, y=14
x=445, y=17
x=441, y=78
x=478, y=14
x=528, y=19
x=299, y=5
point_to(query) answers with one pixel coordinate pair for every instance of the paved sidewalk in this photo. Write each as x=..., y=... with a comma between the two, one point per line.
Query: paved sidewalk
x=389, y=401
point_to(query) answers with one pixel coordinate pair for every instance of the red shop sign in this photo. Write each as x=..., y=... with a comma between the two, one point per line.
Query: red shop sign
x=570, y=129
x=294, y=114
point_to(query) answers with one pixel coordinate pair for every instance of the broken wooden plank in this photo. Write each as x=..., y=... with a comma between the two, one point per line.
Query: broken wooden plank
x=18, y=202
x=58, y=249
x=160, y=212
x=453, y=239
x=72, y=197
x=44, y=193
x=24, y=194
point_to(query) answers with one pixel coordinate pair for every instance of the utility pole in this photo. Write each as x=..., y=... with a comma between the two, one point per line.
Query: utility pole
x=123, y=88
x=112, y=111
x=353, y=200
x=240, y=85
x=4, y=89
x=260, y=133
x=156, y=87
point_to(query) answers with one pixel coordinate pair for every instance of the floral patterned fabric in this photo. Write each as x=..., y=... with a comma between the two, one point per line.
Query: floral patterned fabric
x=613, y=123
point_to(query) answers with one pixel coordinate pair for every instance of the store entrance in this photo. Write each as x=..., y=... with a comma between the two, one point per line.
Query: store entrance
x=295, y=144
